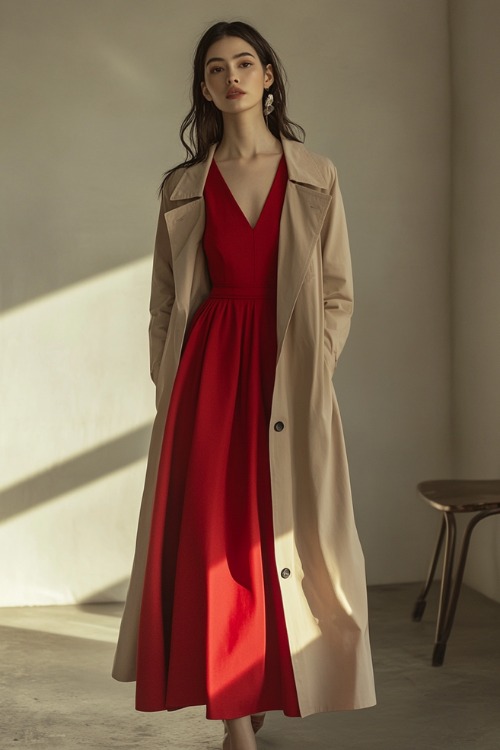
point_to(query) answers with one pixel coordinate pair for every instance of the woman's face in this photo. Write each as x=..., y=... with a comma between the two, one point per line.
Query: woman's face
x=232, y=65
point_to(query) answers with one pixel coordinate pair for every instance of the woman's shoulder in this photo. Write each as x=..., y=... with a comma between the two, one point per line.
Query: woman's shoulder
x=321, y=160
x=172, y=191
x=171, y=181
x=317, y=163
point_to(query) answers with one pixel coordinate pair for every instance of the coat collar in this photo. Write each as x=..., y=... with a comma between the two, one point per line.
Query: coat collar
x=304, y=209
x=302, y=166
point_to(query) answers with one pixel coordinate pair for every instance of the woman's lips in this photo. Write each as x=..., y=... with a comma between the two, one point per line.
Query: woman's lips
x=235, y=95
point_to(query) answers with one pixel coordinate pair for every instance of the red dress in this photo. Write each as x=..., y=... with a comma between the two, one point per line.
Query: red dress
x=212, y=629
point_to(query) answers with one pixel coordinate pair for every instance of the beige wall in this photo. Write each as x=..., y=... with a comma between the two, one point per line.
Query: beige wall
x=95, y=93
x=476, y=276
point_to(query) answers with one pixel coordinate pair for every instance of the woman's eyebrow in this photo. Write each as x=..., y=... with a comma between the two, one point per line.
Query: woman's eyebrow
x=221, y=59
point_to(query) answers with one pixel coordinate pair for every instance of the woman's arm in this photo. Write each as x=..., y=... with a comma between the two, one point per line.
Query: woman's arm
x=337, y=275
x=162, y=292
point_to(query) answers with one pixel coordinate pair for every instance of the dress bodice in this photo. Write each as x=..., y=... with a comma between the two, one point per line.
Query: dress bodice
x=237, y=253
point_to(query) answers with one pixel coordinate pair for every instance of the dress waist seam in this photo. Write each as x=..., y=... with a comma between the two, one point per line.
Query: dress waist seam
x=247, y=292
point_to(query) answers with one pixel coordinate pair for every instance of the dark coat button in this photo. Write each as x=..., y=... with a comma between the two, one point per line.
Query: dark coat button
x=278, y=426
x=285, y=572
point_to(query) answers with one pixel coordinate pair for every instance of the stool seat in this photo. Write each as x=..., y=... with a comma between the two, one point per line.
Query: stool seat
x=461, y=495
x=451, y=496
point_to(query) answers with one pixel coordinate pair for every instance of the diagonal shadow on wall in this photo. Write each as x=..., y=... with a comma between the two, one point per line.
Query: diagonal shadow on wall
x=20, y=291
x=76, y=472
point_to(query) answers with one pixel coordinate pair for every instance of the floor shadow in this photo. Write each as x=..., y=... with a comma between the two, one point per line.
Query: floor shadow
x=58, y=692
x=112, y=596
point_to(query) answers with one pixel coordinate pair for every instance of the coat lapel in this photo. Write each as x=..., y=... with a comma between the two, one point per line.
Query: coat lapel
x=306, y=202
x=302, y=217
x=185, y=225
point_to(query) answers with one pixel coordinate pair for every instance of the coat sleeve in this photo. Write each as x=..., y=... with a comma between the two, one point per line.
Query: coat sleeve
x=337, y=275
x=162, y=292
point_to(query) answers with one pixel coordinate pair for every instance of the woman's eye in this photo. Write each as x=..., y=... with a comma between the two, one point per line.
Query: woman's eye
x=217, y=68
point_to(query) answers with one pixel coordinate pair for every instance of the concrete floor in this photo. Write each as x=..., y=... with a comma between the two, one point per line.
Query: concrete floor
x=56, y=690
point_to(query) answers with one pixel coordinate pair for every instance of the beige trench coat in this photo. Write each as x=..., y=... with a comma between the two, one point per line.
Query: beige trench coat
x=324, y=597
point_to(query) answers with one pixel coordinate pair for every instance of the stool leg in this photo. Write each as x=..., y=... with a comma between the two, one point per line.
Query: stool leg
x=446, y=587
x=461, y=569
x=419, y=607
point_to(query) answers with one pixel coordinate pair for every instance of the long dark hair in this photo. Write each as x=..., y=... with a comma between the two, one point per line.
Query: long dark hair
x=203, y=123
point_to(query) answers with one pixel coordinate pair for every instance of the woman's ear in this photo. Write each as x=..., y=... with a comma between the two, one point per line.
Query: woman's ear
x=268, y=75
x=205, y=91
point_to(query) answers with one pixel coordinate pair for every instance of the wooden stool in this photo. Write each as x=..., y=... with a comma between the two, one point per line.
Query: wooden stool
x=450, y=496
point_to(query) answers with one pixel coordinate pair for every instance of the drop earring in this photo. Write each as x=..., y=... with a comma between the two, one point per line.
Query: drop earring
x=268, y=105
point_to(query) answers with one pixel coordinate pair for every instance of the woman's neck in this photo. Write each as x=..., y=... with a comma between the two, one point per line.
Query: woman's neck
x=244, y=140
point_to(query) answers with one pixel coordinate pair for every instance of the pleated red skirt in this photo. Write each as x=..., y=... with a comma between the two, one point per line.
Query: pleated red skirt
x=212, y=629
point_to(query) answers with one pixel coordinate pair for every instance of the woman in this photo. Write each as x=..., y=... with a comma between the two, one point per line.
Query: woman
x=248, y=587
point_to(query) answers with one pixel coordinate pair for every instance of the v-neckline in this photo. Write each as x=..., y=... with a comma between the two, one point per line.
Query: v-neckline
x=252, y=228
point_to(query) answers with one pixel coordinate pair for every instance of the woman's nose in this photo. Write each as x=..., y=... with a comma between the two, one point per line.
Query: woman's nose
x=232, y=78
